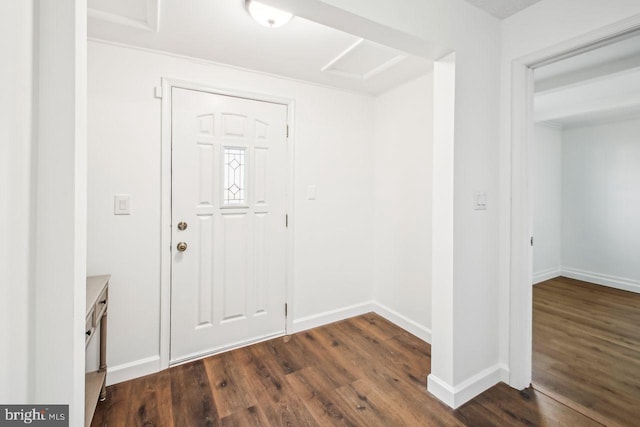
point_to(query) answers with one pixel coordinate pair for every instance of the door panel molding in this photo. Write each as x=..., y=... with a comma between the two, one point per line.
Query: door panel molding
x=166, y=182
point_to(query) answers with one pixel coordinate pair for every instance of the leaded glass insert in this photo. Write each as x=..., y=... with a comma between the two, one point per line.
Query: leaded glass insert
x=234, y=182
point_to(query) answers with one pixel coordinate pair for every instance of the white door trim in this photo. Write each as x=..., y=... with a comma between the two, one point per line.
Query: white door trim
x=165, y=222
x=521, y=276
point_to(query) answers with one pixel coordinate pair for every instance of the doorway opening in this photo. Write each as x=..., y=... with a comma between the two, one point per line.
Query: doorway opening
x=586, y=198
x=524, y=233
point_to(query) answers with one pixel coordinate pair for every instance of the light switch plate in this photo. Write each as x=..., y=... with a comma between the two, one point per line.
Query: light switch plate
x=122, y=204
x=480, y=201
x=311, y=192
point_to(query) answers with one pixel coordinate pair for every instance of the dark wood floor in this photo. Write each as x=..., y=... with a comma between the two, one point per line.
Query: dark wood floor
x=586, y=348
x=363, y=371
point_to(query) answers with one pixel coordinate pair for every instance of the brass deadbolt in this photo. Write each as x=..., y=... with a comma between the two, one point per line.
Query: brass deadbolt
x=182, y=226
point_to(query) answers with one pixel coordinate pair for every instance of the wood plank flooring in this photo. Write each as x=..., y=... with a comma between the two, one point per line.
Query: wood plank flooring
x=362, y=371
x=586, y=348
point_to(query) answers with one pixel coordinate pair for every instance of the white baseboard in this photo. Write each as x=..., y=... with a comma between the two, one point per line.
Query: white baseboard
x=505, y=374
x=441, y=390
x=546, y=274
x=150, y=365
x=403, y=322
x=331, y=316
x=131, y=370
x=602, y=279
x=456, y=396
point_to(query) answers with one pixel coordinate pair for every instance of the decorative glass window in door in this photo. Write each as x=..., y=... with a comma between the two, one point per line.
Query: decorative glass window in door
x=234, y=182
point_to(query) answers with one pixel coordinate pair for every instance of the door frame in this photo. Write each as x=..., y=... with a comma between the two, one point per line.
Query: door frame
x=521, y=228
x=165, y=221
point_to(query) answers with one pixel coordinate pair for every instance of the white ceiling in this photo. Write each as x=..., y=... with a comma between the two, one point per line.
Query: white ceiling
x=223, y=32
x=600, y=85
x=502, y=8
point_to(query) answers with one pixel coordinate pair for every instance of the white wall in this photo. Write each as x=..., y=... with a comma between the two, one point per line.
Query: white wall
x=60, y=217
x=42, y=212
x=333, y=151
x=402, y=217
x=547, y=202
x=474, y=312
x=586, y=203
x=601, y=203
x=16, y=150
x=442, y=265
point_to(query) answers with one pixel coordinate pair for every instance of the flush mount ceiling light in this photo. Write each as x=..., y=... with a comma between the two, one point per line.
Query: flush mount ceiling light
x=267, y=15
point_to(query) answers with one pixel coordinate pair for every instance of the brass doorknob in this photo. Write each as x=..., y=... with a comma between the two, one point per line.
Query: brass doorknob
x=182, y=246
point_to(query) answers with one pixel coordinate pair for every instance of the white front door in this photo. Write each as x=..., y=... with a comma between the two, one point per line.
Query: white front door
x=229, y=175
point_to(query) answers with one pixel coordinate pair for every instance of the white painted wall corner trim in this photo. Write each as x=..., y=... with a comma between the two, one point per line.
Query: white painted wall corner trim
x=136, y=369
x=165, y=225
x=521, y=256
x=621, y=283
x=468, y=389
x=59, y=199
x=546, y=274
x=403, y=322
x=321, y=319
